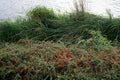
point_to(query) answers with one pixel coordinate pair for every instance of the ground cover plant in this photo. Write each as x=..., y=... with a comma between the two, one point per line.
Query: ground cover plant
x=30, y=60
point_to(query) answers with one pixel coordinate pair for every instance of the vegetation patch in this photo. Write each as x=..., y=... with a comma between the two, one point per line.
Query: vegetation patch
x=50, y=46
x=37, y=60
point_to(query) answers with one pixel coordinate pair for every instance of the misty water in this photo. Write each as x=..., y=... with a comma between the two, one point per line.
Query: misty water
x=10, y=9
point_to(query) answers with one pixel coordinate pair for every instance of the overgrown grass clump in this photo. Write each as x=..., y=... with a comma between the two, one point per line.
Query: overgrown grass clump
x=44, y=24
x=9, y=31
x=29, y=60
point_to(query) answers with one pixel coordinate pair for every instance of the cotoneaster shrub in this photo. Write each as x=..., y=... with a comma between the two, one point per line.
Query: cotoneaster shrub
x=36, y=60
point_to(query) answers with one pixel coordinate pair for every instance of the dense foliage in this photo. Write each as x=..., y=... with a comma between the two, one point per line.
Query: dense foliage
x=73, y=46
x=29, y=60
x=44, y=24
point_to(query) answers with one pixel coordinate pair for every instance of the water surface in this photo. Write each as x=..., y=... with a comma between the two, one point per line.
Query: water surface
x=10, y=9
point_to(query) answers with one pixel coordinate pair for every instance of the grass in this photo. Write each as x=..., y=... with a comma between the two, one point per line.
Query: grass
x=44, y=24
x=73, y=46
x=9, y=31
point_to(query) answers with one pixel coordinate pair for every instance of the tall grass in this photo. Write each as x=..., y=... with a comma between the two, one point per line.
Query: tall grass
x=9, y=31
x=44, y=24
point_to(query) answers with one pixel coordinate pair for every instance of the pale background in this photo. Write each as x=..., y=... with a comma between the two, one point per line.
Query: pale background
x=10, y=9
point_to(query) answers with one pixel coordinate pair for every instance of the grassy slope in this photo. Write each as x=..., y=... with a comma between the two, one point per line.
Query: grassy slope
x=44, y=24
x=85, y=52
